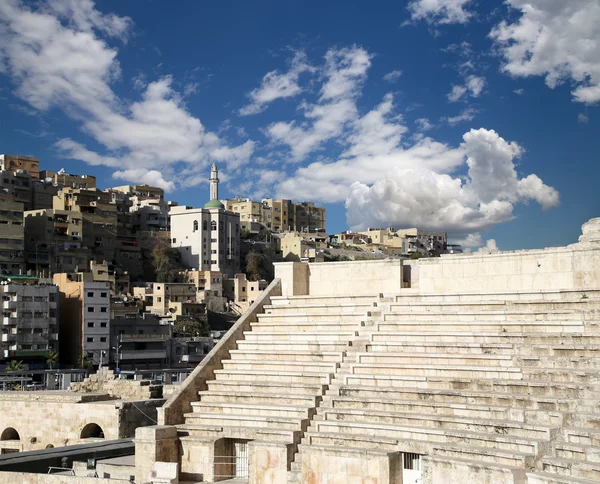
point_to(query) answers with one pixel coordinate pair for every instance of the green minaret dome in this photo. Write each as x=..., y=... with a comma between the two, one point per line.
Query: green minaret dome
x=214, y=204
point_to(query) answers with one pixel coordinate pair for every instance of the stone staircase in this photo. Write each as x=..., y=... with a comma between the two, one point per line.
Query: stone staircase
x=503, y=379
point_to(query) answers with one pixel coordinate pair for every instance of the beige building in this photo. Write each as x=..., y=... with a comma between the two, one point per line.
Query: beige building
x=207, y=238
x=53, y=242
x=242, y=292
x=297, y=246
x=84, y=319
x=68, y=180
x=209, y=288
x=278, y=215
x=34, y=194
x=171, y=299
x=15, y=163
x=12, y=260
x=30, y=328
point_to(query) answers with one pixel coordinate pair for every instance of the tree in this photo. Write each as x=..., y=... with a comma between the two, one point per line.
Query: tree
x=86, y=363
x=52, y=359
x=14, y=365
x=190, y=327
x=166, y=261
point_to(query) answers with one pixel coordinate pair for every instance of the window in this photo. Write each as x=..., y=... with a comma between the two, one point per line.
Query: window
x=221, y=226
x=195, y=225
x=174, y=240
x=252, y=288
x=103, y=339
x=243, y=289
x=90, y=309
x=213, y=225
x=213, y=261
x=213, y=251
x=213, y=240
x=103, y=309
x=90, y=294
x=103, y=325
x=205, y=225
x=90, y=325
x=90, y=339
x=103, y=294
x=159, y=299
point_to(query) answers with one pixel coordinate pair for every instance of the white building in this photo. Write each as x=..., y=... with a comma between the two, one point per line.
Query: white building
x=29, y=322
x=207, y=238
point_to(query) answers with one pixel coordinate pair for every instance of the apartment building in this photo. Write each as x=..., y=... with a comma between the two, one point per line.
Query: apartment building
x=15, y=163
x=278, y=215
x=68, y=180
x=29, y=321
x=12, y=260
x=298, y=246
x=209, y=288
x=171, y=299
x=34, y=194
x=84, y=319
x=128, y=253
x=424, y=241
x=207, y=238
x=53, y=242
x=242, y=292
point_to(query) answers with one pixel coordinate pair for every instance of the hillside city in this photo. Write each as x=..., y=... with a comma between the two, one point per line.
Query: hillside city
x=123, y=278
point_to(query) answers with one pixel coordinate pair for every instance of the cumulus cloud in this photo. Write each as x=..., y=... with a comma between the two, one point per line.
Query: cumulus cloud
x=153, y=178
x=440, y=11
x=490, y=247
x=467, y=114
x=56, y=58
x=474, y=86
x=583, y=118
x=345, y=71
x=423, y=124
x=277, y=85
x=393, y=76
x=559, y=40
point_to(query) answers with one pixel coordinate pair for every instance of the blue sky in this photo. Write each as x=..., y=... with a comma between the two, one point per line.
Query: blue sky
x=458, y=115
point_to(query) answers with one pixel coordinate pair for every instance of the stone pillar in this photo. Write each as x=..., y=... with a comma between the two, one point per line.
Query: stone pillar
x=268, y=462
x=295, y=278
x=197, y=458
x=158, y=443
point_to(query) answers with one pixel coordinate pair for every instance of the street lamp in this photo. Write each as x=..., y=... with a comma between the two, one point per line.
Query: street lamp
x=118, y=350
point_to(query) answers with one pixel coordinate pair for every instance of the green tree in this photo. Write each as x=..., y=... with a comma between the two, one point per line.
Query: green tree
x=86, y=363
x=190, y=327
x=14, y=365
x=166, y=261
x=52, y=359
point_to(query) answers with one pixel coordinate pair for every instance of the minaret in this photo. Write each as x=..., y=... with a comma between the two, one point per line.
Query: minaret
x=214, y=182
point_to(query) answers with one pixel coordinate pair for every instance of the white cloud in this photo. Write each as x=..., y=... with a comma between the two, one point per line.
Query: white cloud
x=276, y=85
x=583, y=118
x=469, y=241
x=490, y=247
x=392, y=76
x=153, y=178
x=440, y=11
x=457, y=93
x=467, y=115
x=556, y=39
x=423, y=124
x=474, y=86
x=344, y=72
x=519, y=92
x=56, y=59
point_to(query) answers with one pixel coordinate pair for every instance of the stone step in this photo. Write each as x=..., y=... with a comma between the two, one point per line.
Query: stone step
x=516, y=401
x=431, y=370
x=532, y=416
x=484, y=454
x=445, y=422
x=481, y=326
x=248, y=421
x=301, y=317
x=576, y=363
x=565, y=350
x=561, y=375
x=299, y=301
x=445, y=348
x=571, y=467
x=588, y=421
x=494, y=305
x=548, y=478
x=278, y=376
x=284, y=398
x=292, y=326
x=252, y=409
x=420, y=439
x=274, y=365
x=549, y=316
x=582, y=436
x=239, y=432
x=320, y=336
x=287, y=355
x=435, y=359
x=578, y=452
x=412, y=295
x=265, y=386
x=304, y=346
x=517, y=338
x=320, y=308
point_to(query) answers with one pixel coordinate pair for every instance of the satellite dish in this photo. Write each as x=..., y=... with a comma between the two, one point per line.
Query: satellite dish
x=61, y=171
x=48, y=179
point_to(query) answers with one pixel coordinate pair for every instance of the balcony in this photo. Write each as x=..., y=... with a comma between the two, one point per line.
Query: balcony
x=143, y=355
x=143, y=338
x=9, y=304
x=28, y=353
x=9, y=321
x=9, y=338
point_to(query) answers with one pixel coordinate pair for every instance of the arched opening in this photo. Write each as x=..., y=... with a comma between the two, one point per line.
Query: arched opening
x=92, y=431
x=10, y=434
x=49, y=446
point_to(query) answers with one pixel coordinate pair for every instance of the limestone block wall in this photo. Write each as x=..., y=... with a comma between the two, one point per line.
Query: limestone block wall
x=568, y=268
x=45, y=419
x=28, y=478
x=171, y=413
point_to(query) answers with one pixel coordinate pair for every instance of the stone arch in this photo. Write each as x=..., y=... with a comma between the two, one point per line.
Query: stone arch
x=92, y=431
x=49, y=446
x=10, y=434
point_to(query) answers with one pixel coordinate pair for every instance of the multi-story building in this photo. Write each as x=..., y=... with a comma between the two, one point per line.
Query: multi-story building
x=84, y=319
x=68, y=180
x=209, y=288
x=140, y=342
x=424, y=241
x=148, y=206
x=53, y=242
x=171, y=299
x=207, y=238
x=34, y=194
x=29, y=321
x=278, y=215
x=243, y=292
x=12, y=259
x=15, y=163
x=128, y=254
x=298, y=246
